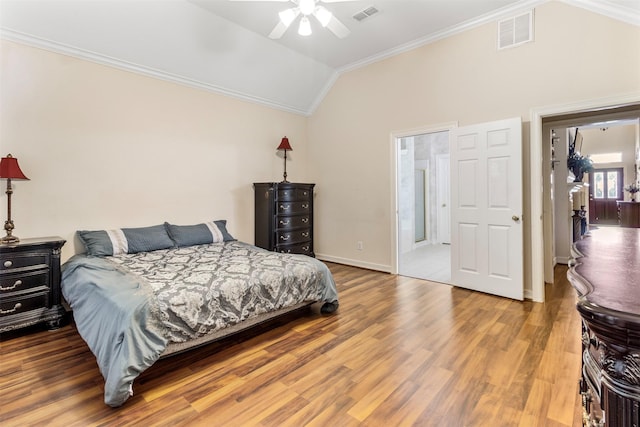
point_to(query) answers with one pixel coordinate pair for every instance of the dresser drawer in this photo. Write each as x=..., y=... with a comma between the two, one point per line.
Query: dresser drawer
x=289, y=222
x=300, y=248
x=294, y=194
x=18, y=260
x=23, y=282
x=25, y=303
x=295, y=236
x=286, y=208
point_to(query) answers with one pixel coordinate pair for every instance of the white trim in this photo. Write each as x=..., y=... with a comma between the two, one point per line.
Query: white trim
x=602, y=7
x=354, y=263
x=393, y=137
x=64, y=49
x=614, y=11
x=535, y=164
x=563, y=260
x=504, y=12
x=323, y=93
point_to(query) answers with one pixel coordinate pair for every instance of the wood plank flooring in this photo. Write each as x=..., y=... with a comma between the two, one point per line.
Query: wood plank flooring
x=400, y=351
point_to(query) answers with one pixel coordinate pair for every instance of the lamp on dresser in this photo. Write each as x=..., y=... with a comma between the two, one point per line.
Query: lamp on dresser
x=285, y=146
x=9, y=169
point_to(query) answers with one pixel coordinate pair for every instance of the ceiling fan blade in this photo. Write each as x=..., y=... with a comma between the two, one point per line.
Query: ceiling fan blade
x=338, y=28
x=278, y=31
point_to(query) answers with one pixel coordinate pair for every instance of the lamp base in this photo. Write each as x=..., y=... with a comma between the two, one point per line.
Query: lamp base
x=9, y=239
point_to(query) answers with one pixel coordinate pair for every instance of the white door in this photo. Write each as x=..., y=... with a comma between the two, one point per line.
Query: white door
x=486, y=208
x=443, y=198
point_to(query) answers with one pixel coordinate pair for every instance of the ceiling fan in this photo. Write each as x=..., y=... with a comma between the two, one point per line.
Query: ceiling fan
x=307, y=8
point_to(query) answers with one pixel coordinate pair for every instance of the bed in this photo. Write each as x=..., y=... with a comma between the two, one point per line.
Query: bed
x=139, y=294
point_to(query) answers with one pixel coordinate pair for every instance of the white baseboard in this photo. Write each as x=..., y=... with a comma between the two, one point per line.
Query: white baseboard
x=563, y=260
x=354, y=263
x=528, y=294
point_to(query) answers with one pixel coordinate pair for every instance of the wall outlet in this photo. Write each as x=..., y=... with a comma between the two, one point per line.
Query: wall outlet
x=359, y=246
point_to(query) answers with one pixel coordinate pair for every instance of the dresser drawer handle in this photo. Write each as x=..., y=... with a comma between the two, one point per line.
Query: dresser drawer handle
x=8, y=263
x=15, y=308
x=304, y=193
x=285, y=207
x=305, y=234
x=305, y=206
x=305, y=220
x=288, y=251
x=287, y=222
x=285, y=238
x=15, y=285
x=305, y=248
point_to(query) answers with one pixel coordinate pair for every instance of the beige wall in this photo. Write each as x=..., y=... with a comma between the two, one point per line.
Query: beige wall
x=577, y=55
x=106, y=148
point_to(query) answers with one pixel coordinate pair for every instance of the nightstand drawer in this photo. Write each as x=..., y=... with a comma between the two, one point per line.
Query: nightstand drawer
x=23, y=304
x=23, y=282
x=19, y=260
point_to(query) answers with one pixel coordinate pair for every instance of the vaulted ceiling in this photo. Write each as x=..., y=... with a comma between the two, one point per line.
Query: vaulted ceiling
x=223, y=45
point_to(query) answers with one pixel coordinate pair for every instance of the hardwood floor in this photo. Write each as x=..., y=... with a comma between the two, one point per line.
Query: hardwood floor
x=400, y=351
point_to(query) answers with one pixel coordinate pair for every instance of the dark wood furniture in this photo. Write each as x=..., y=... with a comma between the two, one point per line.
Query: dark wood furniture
x=284, y=217
x=30, y=283
x=629, y=213
x=606, y=275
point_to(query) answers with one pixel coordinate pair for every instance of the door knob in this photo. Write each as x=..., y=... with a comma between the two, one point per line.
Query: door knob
x=516, y=218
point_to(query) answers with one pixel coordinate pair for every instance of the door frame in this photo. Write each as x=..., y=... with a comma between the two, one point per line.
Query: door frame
x=393, y=138
x=536, y=268
x=443, y=231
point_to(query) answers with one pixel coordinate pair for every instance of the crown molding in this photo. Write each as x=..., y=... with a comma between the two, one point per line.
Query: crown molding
x=603, y=7
x=41, y=43
x=448, y=32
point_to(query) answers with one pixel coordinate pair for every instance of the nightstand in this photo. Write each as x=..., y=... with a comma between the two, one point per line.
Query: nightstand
x=30, y=283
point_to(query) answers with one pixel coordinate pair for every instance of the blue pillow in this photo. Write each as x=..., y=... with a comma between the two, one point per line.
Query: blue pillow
x=125, y=240
x=199, y=234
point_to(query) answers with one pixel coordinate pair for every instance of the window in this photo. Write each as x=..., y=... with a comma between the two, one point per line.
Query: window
x=606, y=158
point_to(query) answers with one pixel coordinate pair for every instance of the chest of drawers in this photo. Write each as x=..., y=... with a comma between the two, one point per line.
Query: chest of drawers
x=30, y=283
x=284, y=217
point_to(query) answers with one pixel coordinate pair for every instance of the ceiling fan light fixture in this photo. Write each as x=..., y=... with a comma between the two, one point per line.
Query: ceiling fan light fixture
x=305, y=27
x=287, y=16
x=307, y=6
x=323, y=15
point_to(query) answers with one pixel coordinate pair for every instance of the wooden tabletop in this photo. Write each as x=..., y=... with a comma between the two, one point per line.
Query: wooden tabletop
x=608, y=273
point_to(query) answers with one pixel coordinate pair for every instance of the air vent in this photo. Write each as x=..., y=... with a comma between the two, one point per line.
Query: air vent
x=364, y=14
x=515, y=31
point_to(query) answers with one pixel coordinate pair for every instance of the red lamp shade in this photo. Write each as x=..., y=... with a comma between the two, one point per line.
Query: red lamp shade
x=9, y=168
x=284, y=145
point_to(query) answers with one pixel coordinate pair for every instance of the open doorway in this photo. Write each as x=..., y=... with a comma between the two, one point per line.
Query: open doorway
x=423, y=191
x=612, y=139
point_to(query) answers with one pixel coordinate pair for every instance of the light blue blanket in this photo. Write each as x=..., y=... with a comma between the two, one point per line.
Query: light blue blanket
x=128, y=308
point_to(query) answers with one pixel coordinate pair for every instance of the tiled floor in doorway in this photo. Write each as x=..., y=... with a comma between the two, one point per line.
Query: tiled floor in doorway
x=429, y=262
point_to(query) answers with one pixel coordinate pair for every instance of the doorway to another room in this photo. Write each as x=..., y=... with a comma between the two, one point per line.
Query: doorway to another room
x=423, y=189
